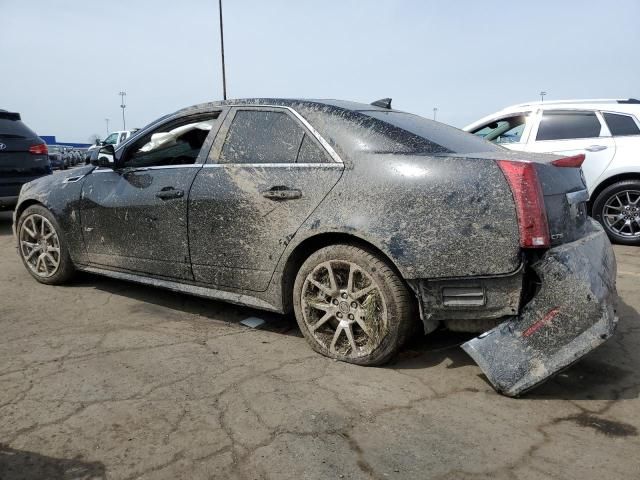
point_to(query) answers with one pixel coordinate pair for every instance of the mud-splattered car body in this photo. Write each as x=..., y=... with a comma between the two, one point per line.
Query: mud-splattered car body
x=430, y=199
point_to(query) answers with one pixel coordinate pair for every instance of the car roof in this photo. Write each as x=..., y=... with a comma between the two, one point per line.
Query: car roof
x=288, y=102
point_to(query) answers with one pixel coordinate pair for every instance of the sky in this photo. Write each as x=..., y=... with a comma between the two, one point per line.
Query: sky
x=63, y=62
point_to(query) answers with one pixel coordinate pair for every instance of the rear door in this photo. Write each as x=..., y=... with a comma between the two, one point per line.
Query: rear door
x=571, y=132
x=265, y=175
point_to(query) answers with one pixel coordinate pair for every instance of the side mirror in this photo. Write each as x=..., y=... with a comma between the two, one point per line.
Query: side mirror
x=105, y=157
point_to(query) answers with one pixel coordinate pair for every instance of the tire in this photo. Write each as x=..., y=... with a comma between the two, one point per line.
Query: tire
x=623, y=197
x=45, y=269
x=377, y=322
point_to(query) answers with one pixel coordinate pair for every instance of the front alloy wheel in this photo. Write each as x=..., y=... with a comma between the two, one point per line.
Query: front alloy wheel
x=39, y=245
x=42, y=247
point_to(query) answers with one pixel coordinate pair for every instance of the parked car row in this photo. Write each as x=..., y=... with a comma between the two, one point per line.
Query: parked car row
x=65, y=157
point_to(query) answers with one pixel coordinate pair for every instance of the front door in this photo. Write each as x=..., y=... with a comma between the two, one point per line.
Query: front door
x=134, y=217
x=266, y=173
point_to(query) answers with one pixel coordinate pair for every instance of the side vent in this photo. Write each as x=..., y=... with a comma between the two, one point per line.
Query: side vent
x=73, y=179
x=463, y=296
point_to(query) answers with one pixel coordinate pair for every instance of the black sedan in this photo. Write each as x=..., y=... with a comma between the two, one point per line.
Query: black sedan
x=363, y=220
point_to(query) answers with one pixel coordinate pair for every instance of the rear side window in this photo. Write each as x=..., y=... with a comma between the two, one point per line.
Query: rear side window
x=621, y=125
x=568, y=125
x=262, y=137
x=10, y=128
x=310, y=152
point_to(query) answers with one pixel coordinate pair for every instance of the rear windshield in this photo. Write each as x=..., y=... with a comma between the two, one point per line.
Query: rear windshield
x=449, y=138
x=10, y=128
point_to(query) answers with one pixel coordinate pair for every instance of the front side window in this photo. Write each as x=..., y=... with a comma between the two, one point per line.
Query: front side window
x=568, y=125
x=175, y=143
x=122, y=137
x=257, y=136
x=505, y=130
x=621, y=125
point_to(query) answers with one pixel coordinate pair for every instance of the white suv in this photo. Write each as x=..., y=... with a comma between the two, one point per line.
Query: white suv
x=606, y=131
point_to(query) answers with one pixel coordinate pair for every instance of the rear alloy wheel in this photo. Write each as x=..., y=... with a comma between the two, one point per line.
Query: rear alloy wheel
x=351, y=306
x=41, y=248
x=617, y=208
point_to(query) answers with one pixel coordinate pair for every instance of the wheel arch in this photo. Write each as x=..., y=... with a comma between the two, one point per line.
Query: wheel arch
x=26, y=204
x=607, y=183
x=309, y=245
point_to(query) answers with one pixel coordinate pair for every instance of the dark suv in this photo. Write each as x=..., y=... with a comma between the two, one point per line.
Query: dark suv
x=23, y=157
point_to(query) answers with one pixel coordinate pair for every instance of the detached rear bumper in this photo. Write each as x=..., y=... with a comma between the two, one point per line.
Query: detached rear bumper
x=572, y=314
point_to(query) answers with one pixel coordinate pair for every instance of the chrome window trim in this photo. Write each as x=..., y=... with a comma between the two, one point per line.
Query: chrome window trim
x=156, y=167
x=332, y=153
x=280, y=165
x=329, y=149
x=162, y=167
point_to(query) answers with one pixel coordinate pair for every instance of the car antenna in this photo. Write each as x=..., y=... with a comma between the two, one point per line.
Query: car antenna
x=382, y=103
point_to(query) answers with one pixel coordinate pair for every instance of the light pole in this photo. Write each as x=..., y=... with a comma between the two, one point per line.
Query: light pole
x=123, y=106
x=107, y=120
x=542, y=94
x=224, y=76
x=435, y=112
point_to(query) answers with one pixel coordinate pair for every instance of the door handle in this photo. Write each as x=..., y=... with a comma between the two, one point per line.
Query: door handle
x=596, y=148
x=282, y=193
x=168, y=193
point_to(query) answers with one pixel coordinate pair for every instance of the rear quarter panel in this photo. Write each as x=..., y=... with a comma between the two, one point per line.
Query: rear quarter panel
x=433, y=216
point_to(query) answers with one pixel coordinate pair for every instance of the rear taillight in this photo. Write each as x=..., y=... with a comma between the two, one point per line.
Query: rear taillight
x=39, y=149
x=574, y=162
x=527, y=193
